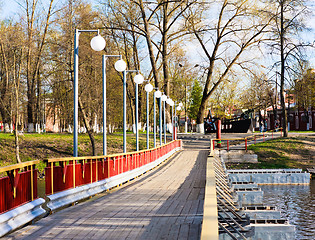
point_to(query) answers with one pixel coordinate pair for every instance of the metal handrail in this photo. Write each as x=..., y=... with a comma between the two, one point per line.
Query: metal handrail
x=18, y=166
x=231, y=209
x=232, y=219
x=227, y=231
x=238, y=232
x=103, y=156
x=12, y=172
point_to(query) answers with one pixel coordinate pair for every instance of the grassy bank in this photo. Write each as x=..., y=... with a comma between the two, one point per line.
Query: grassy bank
x=297, y=151
x=47, y=145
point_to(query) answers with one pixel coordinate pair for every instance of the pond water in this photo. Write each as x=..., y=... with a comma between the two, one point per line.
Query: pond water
x=297, y=204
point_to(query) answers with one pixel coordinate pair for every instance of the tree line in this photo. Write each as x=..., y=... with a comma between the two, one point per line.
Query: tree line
x=36, y=54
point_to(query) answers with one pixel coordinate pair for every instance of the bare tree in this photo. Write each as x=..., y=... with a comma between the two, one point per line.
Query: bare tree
x=11, y=51
x=36, y=39
x=287, y=22
x=17, y=68
x=236, y=28
x=160, y=24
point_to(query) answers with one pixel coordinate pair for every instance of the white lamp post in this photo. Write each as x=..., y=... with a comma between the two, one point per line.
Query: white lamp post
x=148, y=88
x=120, y=66
x=178, y=108
x=157, y=94
x=169, y=101
x=138, y=79
x=98, y=44
x=173, y=120
x=124, y=108
x=164, y=98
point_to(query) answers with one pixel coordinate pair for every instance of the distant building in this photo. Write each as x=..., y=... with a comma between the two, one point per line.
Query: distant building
x=298, y=119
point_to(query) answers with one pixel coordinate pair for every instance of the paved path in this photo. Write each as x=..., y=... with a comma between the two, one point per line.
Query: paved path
x=166, y=203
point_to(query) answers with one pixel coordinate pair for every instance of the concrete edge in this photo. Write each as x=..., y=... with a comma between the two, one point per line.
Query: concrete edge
x=210, y=225
x=20, y=216
x=259, y=184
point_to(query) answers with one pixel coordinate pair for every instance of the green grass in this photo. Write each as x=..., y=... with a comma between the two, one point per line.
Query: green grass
x=292, y=152
x=301, y=131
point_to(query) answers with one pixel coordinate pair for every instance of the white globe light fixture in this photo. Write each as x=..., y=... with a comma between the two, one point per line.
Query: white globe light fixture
x=178, y=108
x=168, y=101
x=98, y=43
x=138, y=79
x=148, y=88
x=120, y=65
x=172, y=103
x=158, y=94
x=180, y=105
x=164, y=98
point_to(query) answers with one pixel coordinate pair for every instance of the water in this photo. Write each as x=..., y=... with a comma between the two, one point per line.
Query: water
x=297, y=204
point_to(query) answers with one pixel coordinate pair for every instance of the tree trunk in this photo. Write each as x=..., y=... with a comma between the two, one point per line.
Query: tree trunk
x=88, y=128
x=282, y=99
x=4, y=92
x=149, y=43
x=200, y=115
x=17, y=87
x=30, y=84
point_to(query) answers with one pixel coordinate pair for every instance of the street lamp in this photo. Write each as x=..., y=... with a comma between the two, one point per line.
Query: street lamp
x=148, y=88
x=138, y=79
x=124, y=106
x=178, y=108
x=157, y=94
x=98, y=44
x=163, y=99
x=169, y=101
x=120, y=66
x=173, y=121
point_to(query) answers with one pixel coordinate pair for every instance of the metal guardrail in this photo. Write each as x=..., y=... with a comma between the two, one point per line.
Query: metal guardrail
x=224, y=207
x=20, y=184
x=76, y=171
x=257, y=171
x=85, y=176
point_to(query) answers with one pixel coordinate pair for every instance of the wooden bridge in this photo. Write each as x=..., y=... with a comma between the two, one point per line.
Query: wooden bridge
x=165, y=203
x=175, y=191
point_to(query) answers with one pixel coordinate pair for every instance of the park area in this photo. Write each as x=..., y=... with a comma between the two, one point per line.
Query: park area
x=296, y=151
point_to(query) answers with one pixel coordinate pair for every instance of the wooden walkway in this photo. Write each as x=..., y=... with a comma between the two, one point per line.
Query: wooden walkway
x=165, y=203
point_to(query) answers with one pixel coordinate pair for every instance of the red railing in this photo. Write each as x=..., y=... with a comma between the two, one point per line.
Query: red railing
x=66, y=173
x=226, y=143
x=19, y=186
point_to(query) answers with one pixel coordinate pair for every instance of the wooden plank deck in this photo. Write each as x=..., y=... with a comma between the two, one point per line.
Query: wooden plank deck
x=165, y=203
